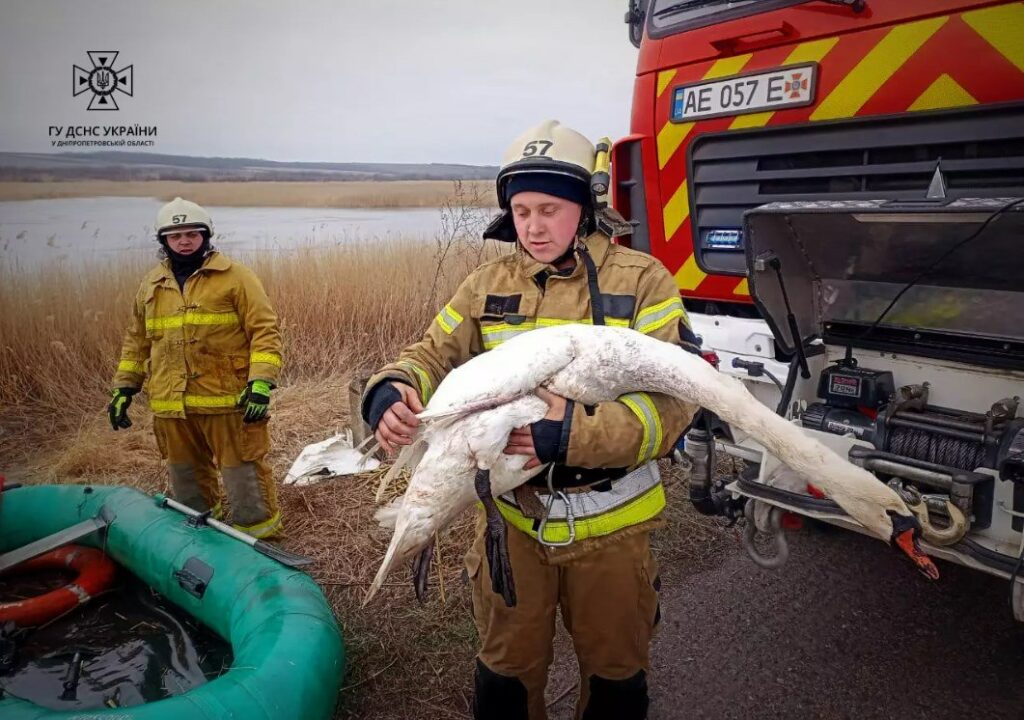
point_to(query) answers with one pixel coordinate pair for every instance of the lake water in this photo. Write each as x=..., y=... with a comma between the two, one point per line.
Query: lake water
x=83, y=230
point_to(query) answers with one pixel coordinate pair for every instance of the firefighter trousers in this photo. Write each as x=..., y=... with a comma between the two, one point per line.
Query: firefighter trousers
x=196, y=446
x=609, y=604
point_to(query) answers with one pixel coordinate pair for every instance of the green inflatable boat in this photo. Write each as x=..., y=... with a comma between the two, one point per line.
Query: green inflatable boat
x=289, y=658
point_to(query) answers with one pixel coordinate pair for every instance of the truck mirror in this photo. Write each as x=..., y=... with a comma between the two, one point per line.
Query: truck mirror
x=636, y=13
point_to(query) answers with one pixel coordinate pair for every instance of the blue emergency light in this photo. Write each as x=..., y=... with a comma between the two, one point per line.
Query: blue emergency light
x=723, y=239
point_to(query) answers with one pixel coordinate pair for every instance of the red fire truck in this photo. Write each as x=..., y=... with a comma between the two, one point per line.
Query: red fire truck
x=745, y=102
x=838, y=188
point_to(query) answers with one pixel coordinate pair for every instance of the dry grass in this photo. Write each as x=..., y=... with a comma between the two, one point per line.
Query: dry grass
x=341, y=309
x=356, y=194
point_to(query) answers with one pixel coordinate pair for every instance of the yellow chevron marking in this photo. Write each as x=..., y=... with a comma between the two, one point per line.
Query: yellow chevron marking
x=689, y=276
x=669, y=140
x=676, y=211
x=753, y=120
x=885, y=58
x=812, y=51
x=742, y=288
x=672, y=135
x=945, y=92
x=1002, y=27
x=664, y=78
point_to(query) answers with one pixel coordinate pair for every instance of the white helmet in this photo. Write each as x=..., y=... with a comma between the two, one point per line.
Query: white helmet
x=549, y=149
x=550, y=158
x=181, y=214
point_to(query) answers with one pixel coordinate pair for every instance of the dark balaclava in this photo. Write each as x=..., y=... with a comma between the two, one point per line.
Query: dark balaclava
x=183, y=266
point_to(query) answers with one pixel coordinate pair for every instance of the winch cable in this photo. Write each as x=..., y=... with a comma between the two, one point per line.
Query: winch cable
x=936, y=448
x=924, y=273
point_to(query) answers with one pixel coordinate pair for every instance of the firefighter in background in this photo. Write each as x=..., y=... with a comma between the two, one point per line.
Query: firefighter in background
x=565, y=269
x=204, y=339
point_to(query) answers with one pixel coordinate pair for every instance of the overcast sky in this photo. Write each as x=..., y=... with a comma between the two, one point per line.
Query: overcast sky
x=328, y=80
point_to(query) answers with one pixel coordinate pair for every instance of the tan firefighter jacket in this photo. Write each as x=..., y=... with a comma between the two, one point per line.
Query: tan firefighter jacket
x=197, y=351
x=504, y=298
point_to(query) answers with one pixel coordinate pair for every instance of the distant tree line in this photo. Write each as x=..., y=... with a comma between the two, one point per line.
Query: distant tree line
x=134, y=166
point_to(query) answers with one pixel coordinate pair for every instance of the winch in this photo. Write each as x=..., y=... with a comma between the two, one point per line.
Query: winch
x=866, y=404
x=933, y=446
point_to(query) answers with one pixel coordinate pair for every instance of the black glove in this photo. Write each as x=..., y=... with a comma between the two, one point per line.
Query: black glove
x=117, y=410
x=256, y=400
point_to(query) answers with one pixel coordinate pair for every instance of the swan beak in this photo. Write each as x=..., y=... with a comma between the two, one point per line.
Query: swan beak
x=905, y=532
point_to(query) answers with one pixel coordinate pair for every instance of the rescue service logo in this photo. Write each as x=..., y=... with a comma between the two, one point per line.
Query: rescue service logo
x=103, y=80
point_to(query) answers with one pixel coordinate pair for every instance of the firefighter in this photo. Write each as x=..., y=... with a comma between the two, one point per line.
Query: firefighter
x=565, y=269
x=204, y=339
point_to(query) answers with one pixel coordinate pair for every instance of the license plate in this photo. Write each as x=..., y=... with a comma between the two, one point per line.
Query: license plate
x=787, y=87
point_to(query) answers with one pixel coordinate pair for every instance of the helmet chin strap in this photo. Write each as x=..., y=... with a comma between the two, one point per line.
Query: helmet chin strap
x=577, y=241
x=567, y=255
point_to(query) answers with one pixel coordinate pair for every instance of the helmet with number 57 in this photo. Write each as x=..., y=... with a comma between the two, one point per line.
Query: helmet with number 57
x=181, y=214
x=550, y=149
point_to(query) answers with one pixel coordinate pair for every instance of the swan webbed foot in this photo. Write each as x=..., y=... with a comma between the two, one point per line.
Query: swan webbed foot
x=421, y=572
x=496, y=541
x=905, y=533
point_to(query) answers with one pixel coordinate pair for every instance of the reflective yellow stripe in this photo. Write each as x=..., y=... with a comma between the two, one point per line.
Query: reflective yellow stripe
x=671, y=136
x=263, y=529
x=644, y=408
x=426, y=387
x=664, y=78
x=742, y=288
x=195, y=401
x=689, y=276
x=131, y=366
x=945, y=92
x=264, y=357
x=495, y=335
x=549, y=322
x=812, y=51
x=885, y=58
x=209, y=401
x=167, y=322
x=656, y=316
x=676, y=210
x=166, y=405
x=1002, y=27
x=448, y=319
x=642, y=509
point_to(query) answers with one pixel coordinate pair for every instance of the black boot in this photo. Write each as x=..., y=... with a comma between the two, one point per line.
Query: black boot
x=498, y=697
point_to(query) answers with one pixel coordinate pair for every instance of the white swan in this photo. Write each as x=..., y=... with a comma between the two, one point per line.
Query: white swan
x=466, y=426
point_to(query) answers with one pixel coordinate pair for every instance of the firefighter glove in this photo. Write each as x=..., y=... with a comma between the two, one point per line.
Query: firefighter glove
x=256, y=400
x=117, y=410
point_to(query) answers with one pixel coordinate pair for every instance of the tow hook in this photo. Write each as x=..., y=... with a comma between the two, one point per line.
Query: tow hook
x=919, y=504
x=773, y=531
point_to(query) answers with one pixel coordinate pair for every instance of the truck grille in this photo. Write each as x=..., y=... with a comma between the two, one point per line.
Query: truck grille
x=981, y=153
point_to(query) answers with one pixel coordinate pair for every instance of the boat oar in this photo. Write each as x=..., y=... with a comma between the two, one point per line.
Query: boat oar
x=198, y=518
x=51, y=542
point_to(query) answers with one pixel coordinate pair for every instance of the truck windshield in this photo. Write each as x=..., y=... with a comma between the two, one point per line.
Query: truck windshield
x=670, y=16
